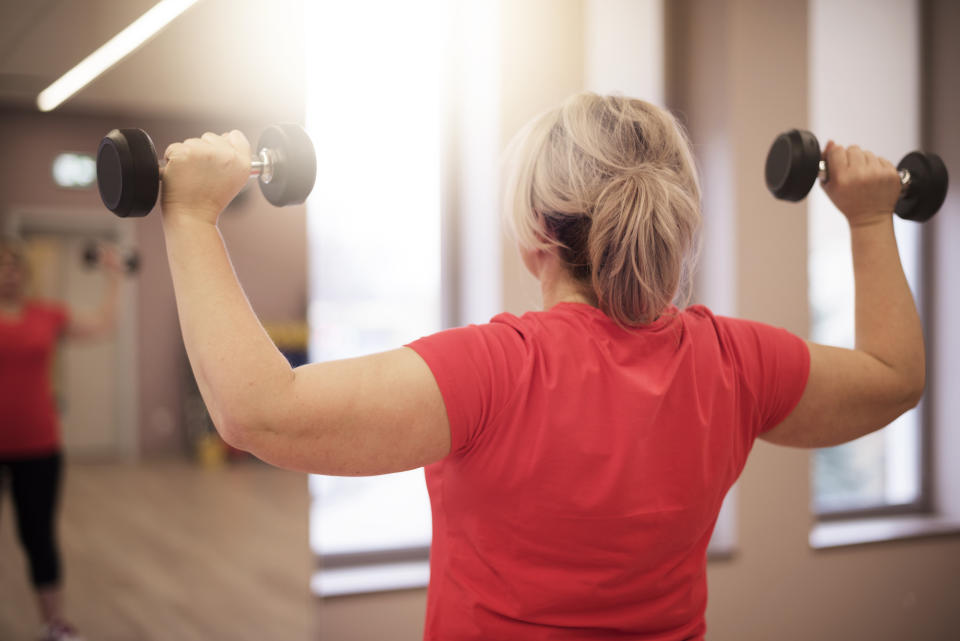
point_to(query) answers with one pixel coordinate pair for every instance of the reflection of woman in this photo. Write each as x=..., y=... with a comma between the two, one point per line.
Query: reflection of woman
x=576, y=457
x=30, y=458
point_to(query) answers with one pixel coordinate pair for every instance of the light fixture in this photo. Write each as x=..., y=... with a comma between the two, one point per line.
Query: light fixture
x=74, y=170
x=114, y=50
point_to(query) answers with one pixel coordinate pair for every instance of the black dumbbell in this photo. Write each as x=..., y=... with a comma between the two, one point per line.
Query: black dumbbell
x=794, y=163
x=130, y=258
x=128, y=172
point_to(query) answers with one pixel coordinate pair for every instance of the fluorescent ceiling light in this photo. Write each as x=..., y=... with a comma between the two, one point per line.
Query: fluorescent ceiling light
x=115, y=49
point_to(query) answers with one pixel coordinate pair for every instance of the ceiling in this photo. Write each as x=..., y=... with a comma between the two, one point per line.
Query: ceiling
x=241, y=58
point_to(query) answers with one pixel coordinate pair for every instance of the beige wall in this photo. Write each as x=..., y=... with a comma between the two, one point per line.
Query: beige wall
x=267, y=245
x=542, y=63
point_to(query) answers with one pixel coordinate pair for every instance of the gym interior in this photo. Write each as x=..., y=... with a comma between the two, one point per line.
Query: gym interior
x=166, y=532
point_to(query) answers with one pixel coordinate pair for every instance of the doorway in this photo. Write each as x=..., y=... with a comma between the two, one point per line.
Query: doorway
x=95, y=382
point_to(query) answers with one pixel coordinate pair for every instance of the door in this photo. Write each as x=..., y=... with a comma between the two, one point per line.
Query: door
x=94, y=380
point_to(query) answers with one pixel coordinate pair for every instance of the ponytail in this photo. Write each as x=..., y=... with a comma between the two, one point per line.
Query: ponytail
x=642, y=230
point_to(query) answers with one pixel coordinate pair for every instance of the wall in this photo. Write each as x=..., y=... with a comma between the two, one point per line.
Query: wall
x=541, y=63
x=267, y=246
x=629, y=31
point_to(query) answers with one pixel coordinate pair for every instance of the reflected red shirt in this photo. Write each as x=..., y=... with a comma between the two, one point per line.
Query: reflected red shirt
x=588, y=465
x=28, y=415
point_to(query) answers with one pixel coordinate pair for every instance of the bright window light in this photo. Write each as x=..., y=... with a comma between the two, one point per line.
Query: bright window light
x=112, y=52
x=850, y=102
x=374, y=109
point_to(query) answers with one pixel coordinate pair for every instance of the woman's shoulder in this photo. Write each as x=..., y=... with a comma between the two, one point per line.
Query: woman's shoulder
x=503, y=332
x=747, y=341
x=698, y=311
x=706, y=318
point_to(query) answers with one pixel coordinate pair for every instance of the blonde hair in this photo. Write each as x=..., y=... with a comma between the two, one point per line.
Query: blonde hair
x=609, y=184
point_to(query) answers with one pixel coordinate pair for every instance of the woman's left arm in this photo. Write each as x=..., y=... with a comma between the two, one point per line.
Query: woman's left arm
x=370, y=415
x=103, y=321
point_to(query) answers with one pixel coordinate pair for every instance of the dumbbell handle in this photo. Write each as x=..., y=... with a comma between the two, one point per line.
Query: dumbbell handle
x=824, y=176
x=262, y=165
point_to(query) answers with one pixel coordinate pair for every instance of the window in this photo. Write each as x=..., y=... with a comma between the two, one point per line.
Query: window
x=374, y=112
x=852, y=102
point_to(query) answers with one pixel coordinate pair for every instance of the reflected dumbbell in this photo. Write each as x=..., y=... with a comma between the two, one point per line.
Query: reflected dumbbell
x=794, y=163
x=129, y=258
x=129, y=174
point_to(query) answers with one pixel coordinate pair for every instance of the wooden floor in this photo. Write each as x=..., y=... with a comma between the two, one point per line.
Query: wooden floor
x=161, y=551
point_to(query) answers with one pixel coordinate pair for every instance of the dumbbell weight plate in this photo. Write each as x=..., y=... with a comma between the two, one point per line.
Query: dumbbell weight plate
x=128, y=175
x=131, y=261
x=295, y=164
x=927, y=189
x=793, y=163
x=91, y=255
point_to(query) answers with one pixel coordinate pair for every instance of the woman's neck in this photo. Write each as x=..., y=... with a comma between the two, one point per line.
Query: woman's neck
x=558, y=286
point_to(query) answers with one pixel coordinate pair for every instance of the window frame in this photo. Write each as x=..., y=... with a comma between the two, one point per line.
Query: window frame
x=924, y=504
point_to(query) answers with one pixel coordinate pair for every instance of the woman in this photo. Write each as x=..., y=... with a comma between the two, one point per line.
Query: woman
x=576, y=457
x=30, y=450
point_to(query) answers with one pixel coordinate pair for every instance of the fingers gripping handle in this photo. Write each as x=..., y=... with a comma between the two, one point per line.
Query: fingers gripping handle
x=261, y=165
x=824, y=175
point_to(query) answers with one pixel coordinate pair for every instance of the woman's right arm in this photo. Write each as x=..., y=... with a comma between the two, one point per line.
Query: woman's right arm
x=852, y=392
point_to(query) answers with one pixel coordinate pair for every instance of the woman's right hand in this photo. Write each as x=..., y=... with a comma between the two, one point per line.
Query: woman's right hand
x=862, y=185
x=203, y=175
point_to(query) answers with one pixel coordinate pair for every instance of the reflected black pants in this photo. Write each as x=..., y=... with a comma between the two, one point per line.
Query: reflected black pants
x=35, y=485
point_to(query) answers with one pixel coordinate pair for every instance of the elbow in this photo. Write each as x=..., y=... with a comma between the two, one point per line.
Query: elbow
x=235, y=430
x=247, y=429
x=919, y=380
x=911, y=391
x=233, y=435
x=915, y=393
x=246, y=417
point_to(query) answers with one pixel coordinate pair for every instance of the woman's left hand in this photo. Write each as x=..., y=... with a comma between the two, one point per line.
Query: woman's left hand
x=203, y=175
x=110, y=260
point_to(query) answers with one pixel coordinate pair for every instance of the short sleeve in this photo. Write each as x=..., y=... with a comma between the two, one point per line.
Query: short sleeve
x=61, y=317
x=774, y=365
x=54, y=315
x=476, y=368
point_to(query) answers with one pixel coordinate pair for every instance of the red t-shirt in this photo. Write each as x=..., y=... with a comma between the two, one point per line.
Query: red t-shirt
x=28, y=416
x=587, y=468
